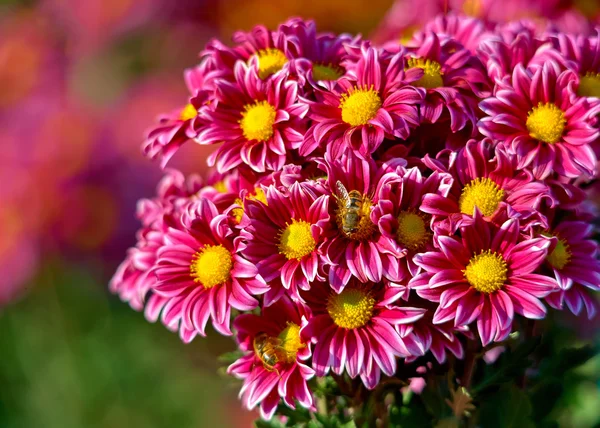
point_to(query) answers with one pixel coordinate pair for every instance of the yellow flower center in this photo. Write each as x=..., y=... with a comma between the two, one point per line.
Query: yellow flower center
x=589, y=85
x=486, y=272
x=482, y=193
x=220, y=186
x=561, y=255
x=257, y=121
x=326, y=72
x=296, y=240
x=359, y=106
x=212, y=266
x=355, y=222
x=412, y=232
x=270, y=61
x=432, y=72
x=546, y=123
x=352, y=308
x=290, y=343
x=188, y=112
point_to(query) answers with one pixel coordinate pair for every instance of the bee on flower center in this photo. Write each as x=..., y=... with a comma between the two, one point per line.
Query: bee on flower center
x=267, y=349
x=353, y=213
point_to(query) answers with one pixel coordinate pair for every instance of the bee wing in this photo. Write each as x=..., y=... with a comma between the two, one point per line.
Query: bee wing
x=342, y=194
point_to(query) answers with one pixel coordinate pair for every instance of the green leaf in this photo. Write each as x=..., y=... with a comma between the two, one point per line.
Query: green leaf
x=509, y=407
x=412, y=414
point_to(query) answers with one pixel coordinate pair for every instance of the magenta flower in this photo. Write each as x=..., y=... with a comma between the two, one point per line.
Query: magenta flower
x=453, y=78
x=436, y=338
x=257, y=121
x=574, y=262
x=468, y=31
x=320, y=55
x=355, y=247
x=485, y=276
x=404, y=227
x=538, y=119
x=515, y=45
x=487, y=178
x=285, y=234
x=271, y=366
x=583, y=57
x=355, y=330
x=178, y=127
x=370, y=103
x=201, y=269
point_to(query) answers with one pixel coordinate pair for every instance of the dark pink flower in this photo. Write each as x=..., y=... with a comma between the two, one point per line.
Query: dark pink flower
x=487, y=178
x=285, y=233
x=356, y=330
x=485, y=276
x=371, y=102
x=452, y=76
x=574, y=262
x=203, y=272
x=356, y=247
x=271, y=366
x=468, y=31
x=405, y=229
x=535, y=115
x=257, y=121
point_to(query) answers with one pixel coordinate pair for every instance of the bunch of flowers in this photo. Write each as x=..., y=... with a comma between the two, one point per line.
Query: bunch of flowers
x=371, y=207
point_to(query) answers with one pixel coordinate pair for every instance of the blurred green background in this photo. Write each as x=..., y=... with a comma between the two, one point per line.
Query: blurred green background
x=80, y=81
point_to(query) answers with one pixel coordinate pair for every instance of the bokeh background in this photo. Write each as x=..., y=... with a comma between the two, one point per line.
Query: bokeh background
x=80, y=82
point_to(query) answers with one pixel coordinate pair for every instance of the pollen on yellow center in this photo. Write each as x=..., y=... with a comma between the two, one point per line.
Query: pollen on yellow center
x=188, y=112
x=486, y=272
x=257, y=121
x=212, y=266
x=589, y=85
x=482, y=193
x=326, y=72
x=360, y=105
x=270, y=61
x=560, y=256
x=432, y=72
x=546, y=123
x=412, y=230
x=290, y=343
x=352, y=308
x=296, y=240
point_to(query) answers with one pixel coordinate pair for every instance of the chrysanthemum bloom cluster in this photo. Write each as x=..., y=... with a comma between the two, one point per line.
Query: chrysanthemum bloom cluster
x=371, y=204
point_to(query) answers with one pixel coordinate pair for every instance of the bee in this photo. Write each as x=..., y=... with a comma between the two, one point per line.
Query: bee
x=268, y=350
x=350, y=205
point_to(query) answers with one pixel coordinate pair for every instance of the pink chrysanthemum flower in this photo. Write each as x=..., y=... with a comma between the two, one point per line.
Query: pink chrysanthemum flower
x=355, y=330
x=488, y=179
x=370, y=103
x=203, y=272
x=574, y=262
x=466, y=30
x=178, y=127
x=257, y=121
x=355, y=247
x=453, y=77
x=537, y=118
x=405, y=229
x=271, y=367
x=320, y=55
x=436, y=338
x=285, y=234
x=504, y=50
x=583, y=55
x=486, y=276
